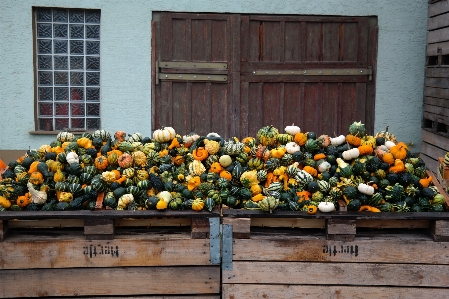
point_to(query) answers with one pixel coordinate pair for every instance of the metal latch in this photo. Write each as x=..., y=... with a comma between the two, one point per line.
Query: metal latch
x=317, y=72
x=191, y=69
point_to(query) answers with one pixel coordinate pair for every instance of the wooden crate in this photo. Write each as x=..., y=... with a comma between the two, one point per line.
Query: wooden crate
x=107, y=253
x=435, y=124
x=343, y=255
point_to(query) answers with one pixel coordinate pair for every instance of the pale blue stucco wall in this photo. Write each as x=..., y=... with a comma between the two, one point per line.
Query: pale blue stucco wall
x=126, y=55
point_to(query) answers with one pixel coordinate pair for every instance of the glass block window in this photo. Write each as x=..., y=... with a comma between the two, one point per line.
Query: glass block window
x=67, y=69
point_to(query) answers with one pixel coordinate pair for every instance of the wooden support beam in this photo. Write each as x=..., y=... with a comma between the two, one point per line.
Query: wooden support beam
x=439, y=230
x=340, y=230
x=241, y=227
x=200, y=228
x=3, y=229
x=99, y=229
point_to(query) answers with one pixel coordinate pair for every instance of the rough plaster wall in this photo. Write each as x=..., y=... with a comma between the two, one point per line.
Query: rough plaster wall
x=126, y=55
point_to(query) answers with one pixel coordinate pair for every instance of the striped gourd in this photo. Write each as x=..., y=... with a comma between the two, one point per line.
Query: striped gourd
x=303, y=177
x=324, y=186
x=103, y=134
x=274, y=186
x=284, y=138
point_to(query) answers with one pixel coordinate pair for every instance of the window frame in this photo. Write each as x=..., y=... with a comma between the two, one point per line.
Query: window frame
x=94, y=85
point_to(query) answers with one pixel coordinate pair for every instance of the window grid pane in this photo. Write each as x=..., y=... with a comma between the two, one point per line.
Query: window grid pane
x=68, y=68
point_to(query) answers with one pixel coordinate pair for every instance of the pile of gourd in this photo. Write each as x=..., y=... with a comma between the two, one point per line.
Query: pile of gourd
x=293, y=170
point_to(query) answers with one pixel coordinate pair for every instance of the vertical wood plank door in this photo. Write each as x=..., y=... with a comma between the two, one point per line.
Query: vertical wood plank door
x=279, y=54
x=261, y=53
x=199, y=106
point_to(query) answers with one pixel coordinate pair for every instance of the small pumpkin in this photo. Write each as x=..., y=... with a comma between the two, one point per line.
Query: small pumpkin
x=278, y=152
x=197, y=204
x=300, y=138
x=36, y=178
x=399, y=151
x=72, y=157
x=311, y=210
x=351, y=154
x=164, y=135
x=24, y=200
x=388, y=158
x=326, y=206
x=101, y=162
x=365, y=149
x=125, y=160
x=310, y=170
x=292, y=147
x=120, y=135
x=226, y=174
x=216, y=167
x=365, y=189
x=292, y=130
x=84, y=142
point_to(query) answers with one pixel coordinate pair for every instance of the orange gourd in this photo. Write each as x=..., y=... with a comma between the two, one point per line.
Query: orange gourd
x=24, y=200
x=200, y=154
x=311, y=210
x=216, y=167
x=398, y=166
x=365, y=149
x=319, y=157
x=310, y=170
x=278, y=152
x=36, y=178
x=303, y=195
x=388, y=158
x=101, y=162
x=353, y=140
x=300, y=138
x=425, y=182
x=226, y=174
x=399, y=151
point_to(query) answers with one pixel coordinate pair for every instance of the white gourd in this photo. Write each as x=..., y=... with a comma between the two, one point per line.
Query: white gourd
x=292, y=130
x=72, y=157
x=351, y=154
x=326, y=206
x=389, y=144
x=292, y=147
x=365, y=189
x=338, y=140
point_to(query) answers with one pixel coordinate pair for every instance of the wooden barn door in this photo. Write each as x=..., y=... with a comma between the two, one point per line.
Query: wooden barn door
x=316, y=72
x=192, y=73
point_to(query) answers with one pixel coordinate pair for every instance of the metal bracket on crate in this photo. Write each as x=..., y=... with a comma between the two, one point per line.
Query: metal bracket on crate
x=227, y=247
x=215, y=241
x=220, y=243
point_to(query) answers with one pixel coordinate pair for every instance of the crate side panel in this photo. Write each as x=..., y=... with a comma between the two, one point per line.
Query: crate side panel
x=76, y=253
x=394, y=249
x=361, y=274
x=115, y=281
x=253, y=291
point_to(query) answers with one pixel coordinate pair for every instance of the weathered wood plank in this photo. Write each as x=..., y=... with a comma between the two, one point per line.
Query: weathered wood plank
x=46, y=223
x=164, y=222
x=288, y=222
x=3, y=229
x=411, y=248
x=440, y=230
x=253, y=291
x=200, y=228
x=437, y=102
x=240, y=227
x=439, y=21
x=441, y=93
x=340, y=230
x=440, y=72
x=438, y=8
x=410, y=224
x=436, y=140
x=432, y=151
x=99, y=229
x=115, y=281
x=438, y=119
x=437, y=82
x=437, y=36
x=430, y=162
x=26, y=252
x=338, y=273
x=437, y=49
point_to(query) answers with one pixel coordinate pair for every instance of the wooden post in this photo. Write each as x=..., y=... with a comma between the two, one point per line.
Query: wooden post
x=439, y=230
x=340, y=230
x=200, y=228
x=99, y=229
x=3, y=229
x=240, y=227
